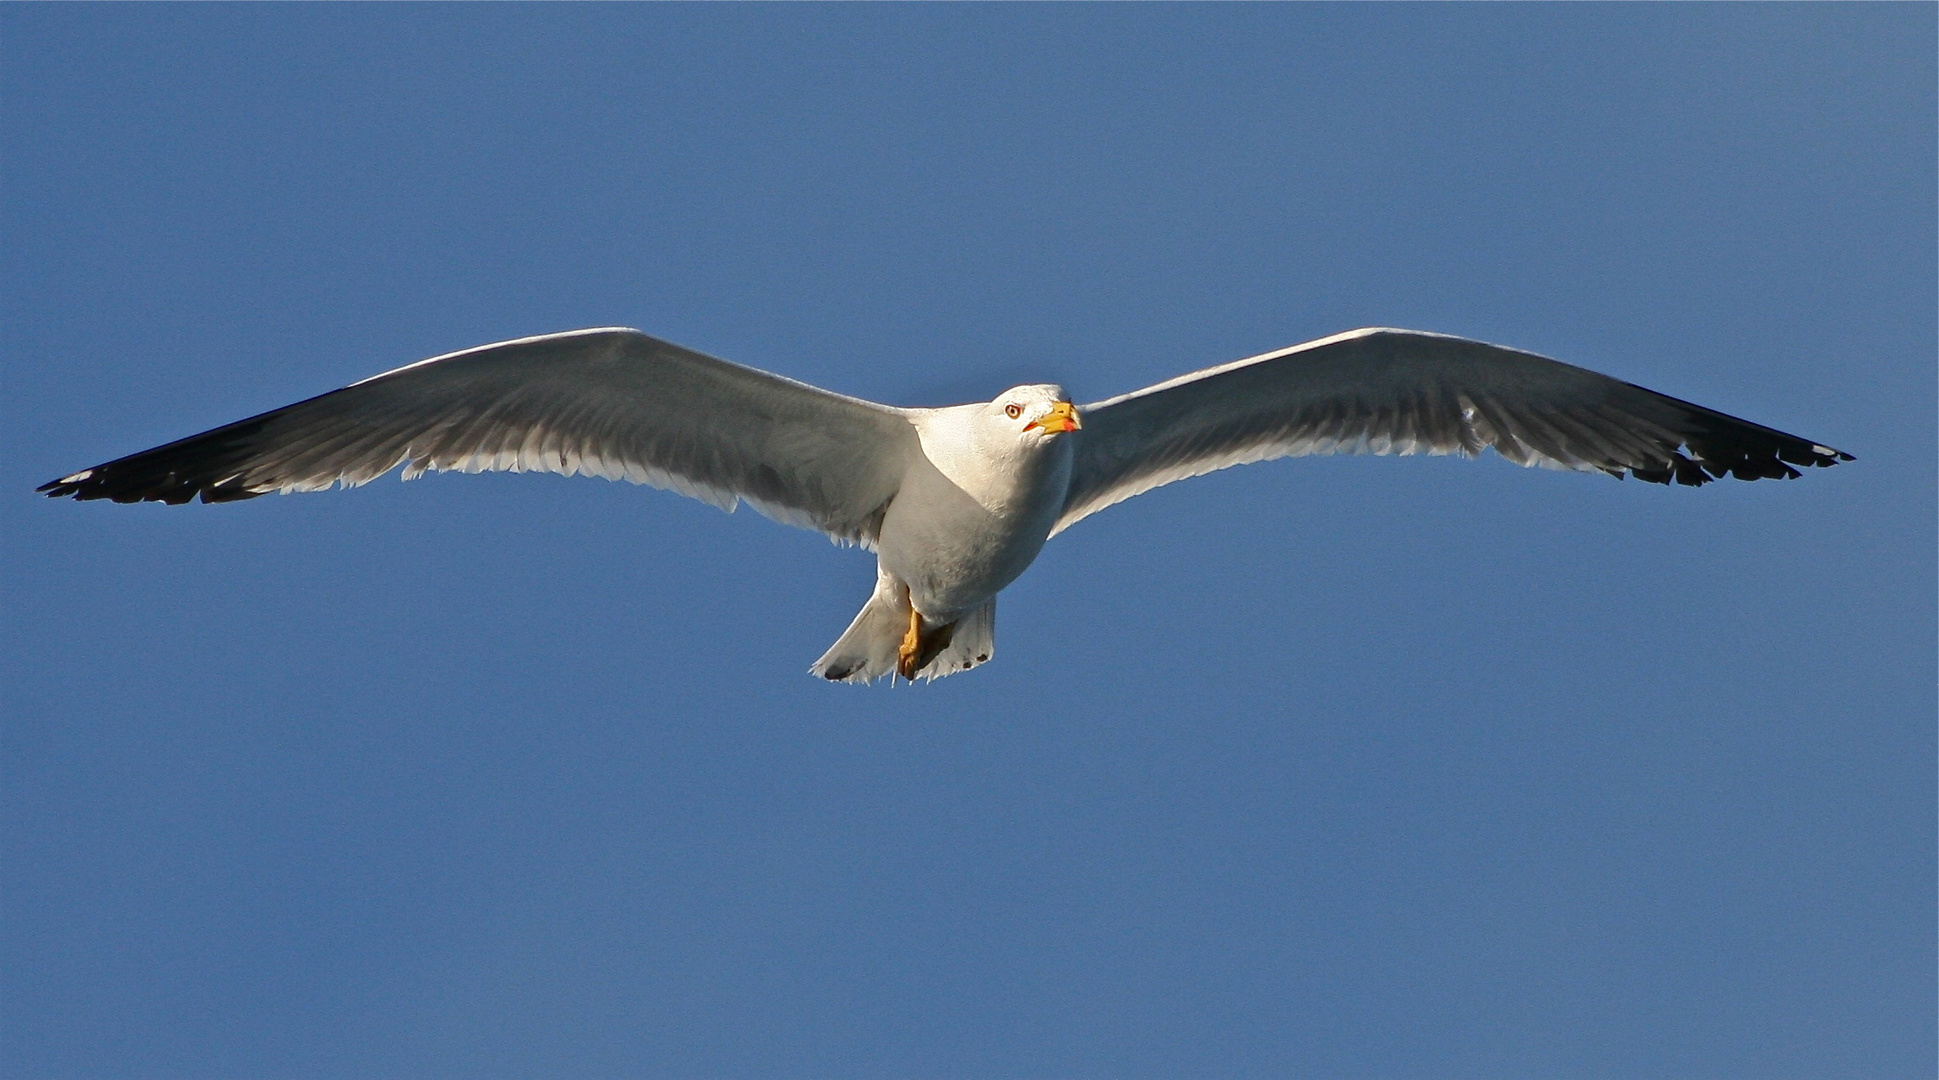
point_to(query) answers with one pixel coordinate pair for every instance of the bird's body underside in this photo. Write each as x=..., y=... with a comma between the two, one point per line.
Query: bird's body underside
x=957, y=501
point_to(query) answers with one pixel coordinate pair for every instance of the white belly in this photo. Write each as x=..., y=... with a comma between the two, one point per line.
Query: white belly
x=952, y=551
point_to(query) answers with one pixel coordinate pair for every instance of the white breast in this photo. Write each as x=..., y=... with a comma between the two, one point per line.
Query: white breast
x=965, y=527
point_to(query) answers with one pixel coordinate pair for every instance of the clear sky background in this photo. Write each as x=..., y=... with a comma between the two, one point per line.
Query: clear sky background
x=1360, y=767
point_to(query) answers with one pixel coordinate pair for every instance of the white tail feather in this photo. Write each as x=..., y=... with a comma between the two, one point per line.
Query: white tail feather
x=867, y=650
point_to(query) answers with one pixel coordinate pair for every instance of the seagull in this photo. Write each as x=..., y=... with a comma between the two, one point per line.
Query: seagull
x=955, y=502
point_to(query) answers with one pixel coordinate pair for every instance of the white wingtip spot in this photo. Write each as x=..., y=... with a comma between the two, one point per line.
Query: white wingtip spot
x=1815, y=448
x=77, y=477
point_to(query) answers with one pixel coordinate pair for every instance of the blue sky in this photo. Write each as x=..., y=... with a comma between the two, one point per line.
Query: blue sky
x=1332, y=767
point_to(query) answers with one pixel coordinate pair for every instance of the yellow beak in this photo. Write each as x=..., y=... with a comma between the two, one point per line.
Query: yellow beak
x=1061, y=417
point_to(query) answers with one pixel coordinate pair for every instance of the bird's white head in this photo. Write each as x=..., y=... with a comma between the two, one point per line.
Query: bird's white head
x=1033, y=413
x=1004, y=450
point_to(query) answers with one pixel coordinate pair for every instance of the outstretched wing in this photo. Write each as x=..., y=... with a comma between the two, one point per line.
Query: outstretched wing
x=1382, y=391
x=608, y=402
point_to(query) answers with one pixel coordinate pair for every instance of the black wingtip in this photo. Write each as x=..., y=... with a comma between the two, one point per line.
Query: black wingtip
x=1721, y=446
x=1813, y=454
x=62, y=488
x=131, y=486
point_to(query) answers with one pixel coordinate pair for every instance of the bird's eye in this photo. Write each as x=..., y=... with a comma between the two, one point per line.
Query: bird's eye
x=1013, y=411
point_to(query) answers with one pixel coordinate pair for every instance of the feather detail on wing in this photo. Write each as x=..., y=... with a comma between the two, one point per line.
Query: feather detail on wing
x=1381, y=391
x=607, y=402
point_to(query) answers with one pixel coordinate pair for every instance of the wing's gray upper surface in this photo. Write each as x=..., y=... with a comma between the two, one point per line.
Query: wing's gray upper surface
x=1384, y=391
x=609, y=402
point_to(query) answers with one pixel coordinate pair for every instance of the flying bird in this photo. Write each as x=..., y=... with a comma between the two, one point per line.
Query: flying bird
x=956, y=502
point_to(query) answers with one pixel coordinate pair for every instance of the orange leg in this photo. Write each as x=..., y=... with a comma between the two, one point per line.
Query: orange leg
x=906, y=656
